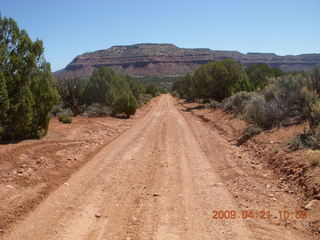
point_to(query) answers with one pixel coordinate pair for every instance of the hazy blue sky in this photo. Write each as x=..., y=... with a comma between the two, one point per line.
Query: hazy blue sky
x=69, y=28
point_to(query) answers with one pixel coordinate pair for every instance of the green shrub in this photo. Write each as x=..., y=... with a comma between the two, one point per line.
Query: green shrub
x=164, y=84
x=200, y=100
x=27, y=91
x=259, y=73
x=1, y=131
x=311, y=107
x=261, y=113
x=58, y=109
x=315, y=79
x=215, y=80
x=41, y=133
x=145, y=98
x=104, y=87
x=311, y=140
x=4, y=103
x=237, y=102
x=65, y=118
x=175, y=94
x=126, y=103
x=97, y=110
x=284, y=98
x=212, y=104
x=71, y=92
x=151, y=89
x=135, y=86
x=184, y=87
x=108, y=92
x=218, y=80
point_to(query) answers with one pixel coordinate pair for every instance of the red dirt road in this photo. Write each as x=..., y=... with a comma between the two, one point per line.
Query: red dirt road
x=158, y=180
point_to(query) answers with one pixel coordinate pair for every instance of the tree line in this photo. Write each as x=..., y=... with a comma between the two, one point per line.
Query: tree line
x=117, y=93
x=220, y=79
x=262, y=95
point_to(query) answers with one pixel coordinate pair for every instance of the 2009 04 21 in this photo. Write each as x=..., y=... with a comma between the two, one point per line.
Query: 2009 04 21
x=258, y=214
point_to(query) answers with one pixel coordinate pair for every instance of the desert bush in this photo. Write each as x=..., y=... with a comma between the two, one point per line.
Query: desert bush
x=145, y=98
x=71, y=92
x=108, y=92
x=162, y=83
x=285, y=93
x=237, y=102
x=200, y=100
x=215, y=80
x=264, y=114
x=27, y=91
x=104, y=87
x=284, y=98
x=126, y=103
x=259, y=73
x=312, y=139
x=296, y=143
x=212, y=104
x=151, y=90
x=315, y=79
x=97, y=110
x=135, y=86
x=184, y=87
x=4, y=103
x=65, y=118
x=59, y=109
x=175, y=94
x=311, y=107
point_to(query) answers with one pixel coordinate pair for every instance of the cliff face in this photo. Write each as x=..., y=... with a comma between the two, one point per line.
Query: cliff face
x=168, y=59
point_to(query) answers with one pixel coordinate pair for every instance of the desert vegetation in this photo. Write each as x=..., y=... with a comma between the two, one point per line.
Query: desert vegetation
x=65, y=118
x=162, y=83
x=216, y=81
x=27, y=91
x=264, y=96
x=105, y=93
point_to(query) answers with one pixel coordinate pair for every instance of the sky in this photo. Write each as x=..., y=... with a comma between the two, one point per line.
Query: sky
x=70, y=28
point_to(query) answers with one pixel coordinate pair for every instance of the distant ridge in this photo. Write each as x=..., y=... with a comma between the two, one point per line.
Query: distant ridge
x=167, y=59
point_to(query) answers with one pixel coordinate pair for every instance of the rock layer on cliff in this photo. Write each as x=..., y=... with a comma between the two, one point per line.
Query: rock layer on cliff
x=168, y=59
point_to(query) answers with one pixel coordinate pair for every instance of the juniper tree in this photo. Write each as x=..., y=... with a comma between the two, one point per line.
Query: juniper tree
x=27, y=91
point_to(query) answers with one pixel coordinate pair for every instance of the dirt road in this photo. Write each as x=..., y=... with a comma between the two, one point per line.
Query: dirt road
x=155, y=181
